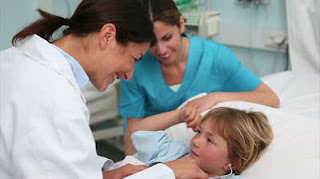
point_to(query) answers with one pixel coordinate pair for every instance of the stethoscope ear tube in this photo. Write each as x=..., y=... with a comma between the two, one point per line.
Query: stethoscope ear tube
x=224, y=176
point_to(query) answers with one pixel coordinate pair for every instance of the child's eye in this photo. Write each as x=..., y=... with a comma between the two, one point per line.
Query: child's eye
x=210, y=141
x=198, y=131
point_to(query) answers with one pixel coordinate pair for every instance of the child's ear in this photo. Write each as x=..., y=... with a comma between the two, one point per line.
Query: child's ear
x=226, y=167
x=236, y=163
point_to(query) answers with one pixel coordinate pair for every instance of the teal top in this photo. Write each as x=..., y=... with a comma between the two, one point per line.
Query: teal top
x=211, y=67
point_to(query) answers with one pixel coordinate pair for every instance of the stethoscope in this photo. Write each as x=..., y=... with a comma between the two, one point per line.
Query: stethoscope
x=224, y=176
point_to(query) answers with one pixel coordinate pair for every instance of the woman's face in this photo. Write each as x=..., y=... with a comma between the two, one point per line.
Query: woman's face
x=169, y=42
x=209, y=150
x=116, y=62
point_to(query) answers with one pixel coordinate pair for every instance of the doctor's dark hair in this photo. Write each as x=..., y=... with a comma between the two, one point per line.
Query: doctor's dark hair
x=247, y=133
x=130, y=17
x=165, y=11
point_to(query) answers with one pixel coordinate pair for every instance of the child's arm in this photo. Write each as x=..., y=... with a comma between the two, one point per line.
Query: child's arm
x=161, y=122
x=165, y=120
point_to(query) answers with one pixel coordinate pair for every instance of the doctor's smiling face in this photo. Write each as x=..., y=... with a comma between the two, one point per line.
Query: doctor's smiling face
x=114, y=60
x=209, y=150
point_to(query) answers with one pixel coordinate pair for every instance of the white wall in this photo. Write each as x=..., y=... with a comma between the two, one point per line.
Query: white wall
x=65, y=8
x=245, y=29
x=15, y=15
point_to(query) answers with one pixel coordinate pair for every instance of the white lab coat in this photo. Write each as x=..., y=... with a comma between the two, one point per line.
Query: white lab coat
x=44, y=121
x=158, y=171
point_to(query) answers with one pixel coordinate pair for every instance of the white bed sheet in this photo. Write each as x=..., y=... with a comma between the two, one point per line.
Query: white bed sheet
x=299, y=93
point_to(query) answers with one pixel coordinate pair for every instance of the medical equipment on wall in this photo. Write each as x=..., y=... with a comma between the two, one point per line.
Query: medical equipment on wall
x=204, y=24
x=200, y=21
x=257, y=2
x=187, y=5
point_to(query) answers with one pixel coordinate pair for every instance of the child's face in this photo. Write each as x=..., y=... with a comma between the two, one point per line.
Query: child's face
x=209, y=150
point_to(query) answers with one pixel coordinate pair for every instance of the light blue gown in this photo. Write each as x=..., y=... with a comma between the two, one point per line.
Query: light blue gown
x=157, y=146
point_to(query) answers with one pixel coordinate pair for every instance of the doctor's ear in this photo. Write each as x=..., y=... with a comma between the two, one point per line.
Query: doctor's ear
x=107, y=35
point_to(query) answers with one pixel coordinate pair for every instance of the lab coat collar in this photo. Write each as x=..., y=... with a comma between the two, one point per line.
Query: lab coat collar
x=77, y=70
x=44, y=53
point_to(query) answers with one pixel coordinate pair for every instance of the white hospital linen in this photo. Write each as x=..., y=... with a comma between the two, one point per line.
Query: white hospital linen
x=44, y=121
x=296, y=134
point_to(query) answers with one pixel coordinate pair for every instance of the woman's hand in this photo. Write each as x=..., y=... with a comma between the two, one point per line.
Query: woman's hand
x=123, y=171
x=189, y=115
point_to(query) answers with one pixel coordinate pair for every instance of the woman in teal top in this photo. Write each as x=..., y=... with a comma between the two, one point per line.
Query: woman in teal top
x=180, y=66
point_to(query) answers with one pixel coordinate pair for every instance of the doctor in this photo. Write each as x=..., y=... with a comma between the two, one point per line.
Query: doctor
x=44, y=121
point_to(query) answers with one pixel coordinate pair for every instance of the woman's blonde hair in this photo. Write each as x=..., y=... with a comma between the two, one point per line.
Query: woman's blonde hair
x=247, y=133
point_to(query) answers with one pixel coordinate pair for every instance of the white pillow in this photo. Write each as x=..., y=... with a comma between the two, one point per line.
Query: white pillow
x=294, y=152
x=299, y=93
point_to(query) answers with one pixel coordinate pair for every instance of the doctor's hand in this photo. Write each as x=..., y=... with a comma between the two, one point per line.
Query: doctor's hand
x=186, y=168
x=190, y=115
x=123, y=171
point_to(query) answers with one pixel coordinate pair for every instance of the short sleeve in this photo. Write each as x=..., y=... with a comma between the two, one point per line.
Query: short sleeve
x=157, y=146
x=131, y=99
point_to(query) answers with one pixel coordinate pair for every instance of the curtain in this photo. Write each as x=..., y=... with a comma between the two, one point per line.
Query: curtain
x=304, y=35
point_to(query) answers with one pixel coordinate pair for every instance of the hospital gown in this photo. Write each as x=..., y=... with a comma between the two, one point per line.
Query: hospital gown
x=157, y=146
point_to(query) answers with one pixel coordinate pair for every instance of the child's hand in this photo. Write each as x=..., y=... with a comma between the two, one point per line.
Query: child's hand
x=206, y=102
x=190, y=115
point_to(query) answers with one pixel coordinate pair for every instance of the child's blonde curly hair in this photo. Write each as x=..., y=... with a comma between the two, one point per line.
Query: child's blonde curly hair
x=247, y=133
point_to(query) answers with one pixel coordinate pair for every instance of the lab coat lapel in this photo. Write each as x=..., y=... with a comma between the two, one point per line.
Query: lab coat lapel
x=44, y=53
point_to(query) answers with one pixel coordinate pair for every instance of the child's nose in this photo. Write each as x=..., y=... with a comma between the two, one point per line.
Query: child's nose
x=196, y=141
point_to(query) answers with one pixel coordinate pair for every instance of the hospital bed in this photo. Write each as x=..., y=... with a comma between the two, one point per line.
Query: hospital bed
x=294, y=152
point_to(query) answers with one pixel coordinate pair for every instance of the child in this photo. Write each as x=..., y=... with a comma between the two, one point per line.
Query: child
x=227, y=141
